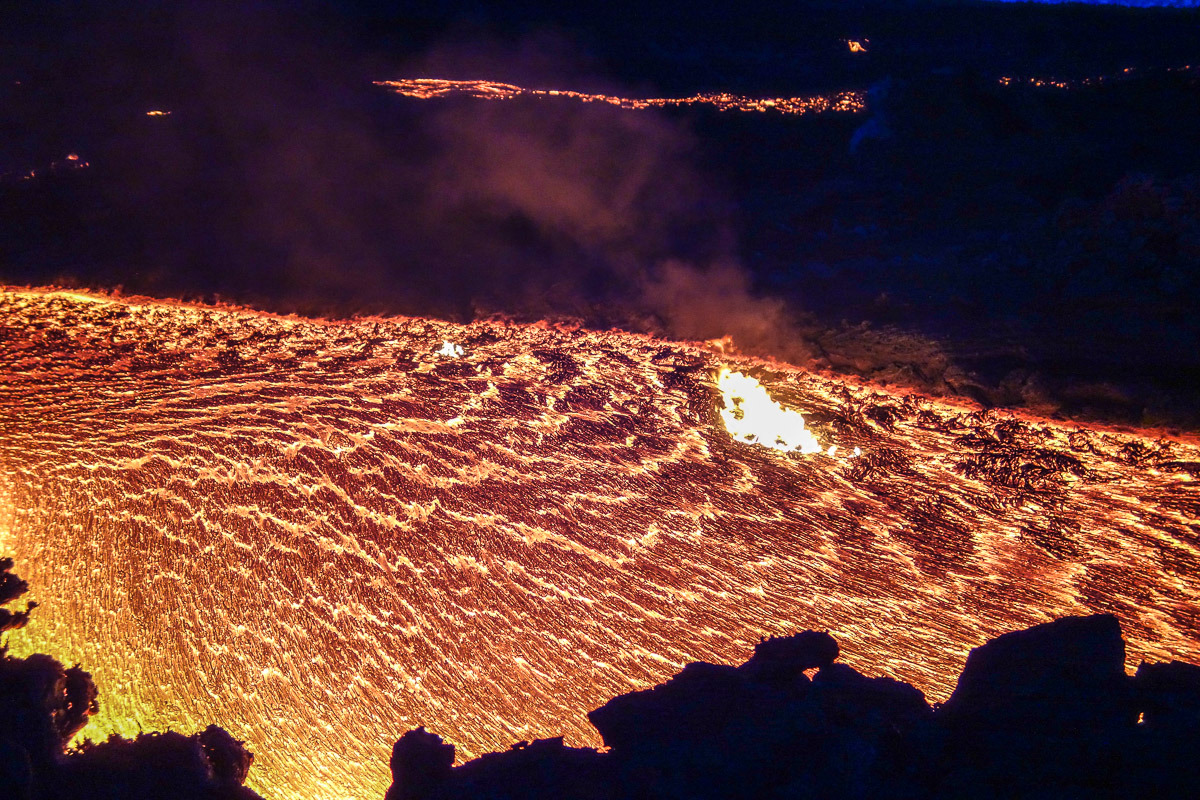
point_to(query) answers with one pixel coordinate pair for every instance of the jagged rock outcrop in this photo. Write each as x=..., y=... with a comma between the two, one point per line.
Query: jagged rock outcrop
x=12, y=587
x=420, y=763
x=765, y=728
x=781, y=658
x=421, y=770
x=1045, y=712
x=1032, y=706
x=228, y=759
x=44, y=704
x=153, y=766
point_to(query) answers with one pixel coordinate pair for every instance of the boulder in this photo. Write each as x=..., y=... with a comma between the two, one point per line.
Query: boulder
x=1048, y=709
x=229, y=759
x=421, y=763
x=780, y=660
x=695, y=704
x=1062, y=674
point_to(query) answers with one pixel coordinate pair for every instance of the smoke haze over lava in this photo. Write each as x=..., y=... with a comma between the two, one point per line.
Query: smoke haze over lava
x=285, y=179
x=320, y=535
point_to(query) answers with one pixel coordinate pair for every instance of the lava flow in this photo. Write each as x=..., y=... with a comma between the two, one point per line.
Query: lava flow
x=322, y=534
x=426, y=88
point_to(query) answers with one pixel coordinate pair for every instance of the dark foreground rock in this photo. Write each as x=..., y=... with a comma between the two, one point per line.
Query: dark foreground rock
x=44, y=704
x=1048, y=712
x=1043, y=713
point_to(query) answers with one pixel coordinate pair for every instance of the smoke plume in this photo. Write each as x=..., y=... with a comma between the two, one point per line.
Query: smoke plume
x=283, y=178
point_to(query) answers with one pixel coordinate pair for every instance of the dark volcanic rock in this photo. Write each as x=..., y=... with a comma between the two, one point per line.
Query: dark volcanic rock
x=1168, y=736
x=1031, y=707
x=1073, y=666
x=1043, y=713
x=1169, y=696
x=695, y=704
x=760, y=730
x=154, y=766
x=229, y=760
x=782, y=659
x=16, y=772
x=44, y=704
x=541, y=770
x=710, y=728
x=421, y=763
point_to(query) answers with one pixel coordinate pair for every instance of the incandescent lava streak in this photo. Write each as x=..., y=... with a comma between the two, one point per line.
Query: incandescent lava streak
x=322, y=534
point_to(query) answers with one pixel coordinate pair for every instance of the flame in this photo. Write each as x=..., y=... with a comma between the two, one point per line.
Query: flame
x=750, y=414
x=858, y=46
x=450, y=350
x=158, y=113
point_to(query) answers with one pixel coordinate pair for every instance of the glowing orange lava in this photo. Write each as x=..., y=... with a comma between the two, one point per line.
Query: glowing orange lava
x=1064, y=83
x=320, y=534
x=69, y=163
x=426, y=88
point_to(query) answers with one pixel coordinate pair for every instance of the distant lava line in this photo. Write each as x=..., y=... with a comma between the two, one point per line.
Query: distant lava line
x=426, y=88
x=320, y=535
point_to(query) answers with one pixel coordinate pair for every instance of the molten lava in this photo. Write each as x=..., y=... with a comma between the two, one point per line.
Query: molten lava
x=752, y=416
x=320, y=535
x=426, y=88
x=843, y=102
x=1080, y=83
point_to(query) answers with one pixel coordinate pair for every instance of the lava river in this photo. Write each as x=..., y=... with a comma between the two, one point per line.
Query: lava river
x=321, y=534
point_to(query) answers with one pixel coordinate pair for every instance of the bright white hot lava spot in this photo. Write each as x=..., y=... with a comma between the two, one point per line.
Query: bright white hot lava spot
x=321, y=534
x=751, y=415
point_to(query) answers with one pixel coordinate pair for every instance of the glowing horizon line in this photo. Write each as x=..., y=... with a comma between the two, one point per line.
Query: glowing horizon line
x=428, y=88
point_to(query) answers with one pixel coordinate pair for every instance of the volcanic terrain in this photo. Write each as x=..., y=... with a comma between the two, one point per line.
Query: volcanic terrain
x=321, y=534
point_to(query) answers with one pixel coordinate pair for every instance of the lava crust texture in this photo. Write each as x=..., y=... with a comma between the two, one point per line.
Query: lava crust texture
x=322, y=534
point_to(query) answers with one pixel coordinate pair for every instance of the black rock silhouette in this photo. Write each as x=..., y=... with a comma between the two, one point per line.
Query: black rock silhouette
x=1049, y=708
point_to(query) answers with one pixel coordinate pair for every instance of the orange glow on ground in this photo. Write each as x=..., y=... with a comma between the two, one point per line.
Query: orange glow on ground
x=321, y=534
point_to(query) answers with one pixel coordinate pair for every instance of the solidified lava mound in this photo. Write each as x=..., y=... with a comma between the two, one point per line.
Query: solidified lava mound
x=322, y=534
